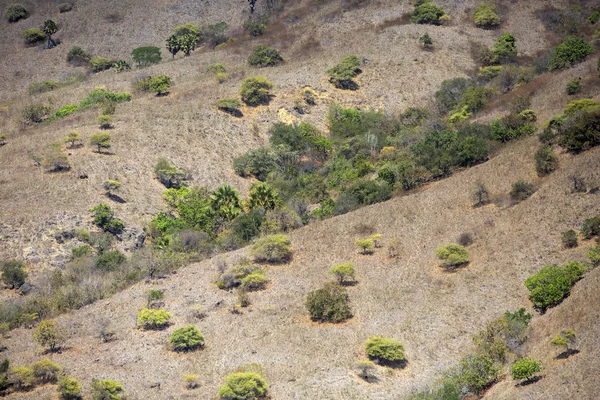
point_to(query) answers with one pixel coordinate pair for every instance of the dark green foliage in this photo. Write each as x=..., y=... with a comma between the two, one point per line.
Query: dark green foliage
x=81, y=251
x=475, y=372
x=33, y=36
x=15, y=12
x=504, y=51
x=110, y=260
x=50, y=28
x=450, y=93
x=77, y=56
x=35, y=113
x=173, y=45
x=215, y=35
x=525, y=368
x=594, y=17
x=264, y=56
x=263, y=195
x=510, y=127
x=104, y=218
x=574, y=86
x=428, y=13
x=230, y=106
x=342, y=74
x=186, y=339
x=188, y=29
x=545, y=160
x=255, y=91
x=384, y=350
x=107, y=390
x=256, y=26
x=362, y=193
x=258, y=162
x=243, y=386
x=169, y=175
x=329, y=304
x=581, y=131
x=160, y=84
x=145, y=56
x=69, y=389
x=185, y=43
x=569, y=239
x=571, y=51
x=550, y=285
x=13, y=273
x=426, y=41
x=121, y=66
x=247, y=226
x=521, y=190
x=591, y=227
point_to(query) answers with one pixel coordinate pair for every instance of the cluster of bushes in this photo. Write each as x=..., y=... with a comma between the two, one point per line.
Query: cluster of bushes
x=104, y=218
x=425, y=12
x=245, y=275
x=189, y=35
x=79, y=57
x=158, y=84
x=578, y=129
x=264, y=56
x=571, y=51
x=26, y=378
x=550, y=285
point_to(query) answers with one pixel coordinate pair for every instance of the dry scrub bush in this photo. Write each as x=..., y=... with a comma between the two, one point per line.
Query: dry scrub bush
x=48, y=334
x=329, y=304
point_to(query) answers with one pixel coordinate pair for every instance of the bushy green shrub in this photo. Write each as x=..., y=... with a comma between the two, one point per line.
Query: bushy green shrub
x=264, y=56
x=490, y=72
x=151, y=319
x=426, y=42
x=16, y=12
x=100, y=140
x=511, y=127
x=365, y=245
x=251, y=277
x=263, y=196
x=256, y=26
x=78, y=56
x=329, y=304
x=121, y=65
x=48, y=334
x=550, y=285
x=545, y=160
x=46, y=371
x=475, y=372
x=428, y=13
x=107, y=389
x=452, y=256
x=33, y=36
x=100, y=96
x=385, y=350
x=525, y=368
x=564, y=339
x=504, y=51
x=169, y=175
x=13, y=273
x=256, y=162
x=243, y=386
x=272, y=249
x=569, y=239
x=342, y=74
x=521, y=190
x=105, y=121
x=594, y=17
x=110, y=260
x=100, y=64
x=230, y=106
x=21, y=378
x=186, y=339
x=571, y=51
x=66, y=110
x=574, y=86
x=343, y=272
x=43, y=86
x=81, y=251
x=255, y=91
x=145, y=56
x=188, y=28
x=581, y=131
x=591, y=227
x=69, y=389
x=104, y=217
x=160, y=84
x=503, y=335
x=215, y=34
x=485, y=15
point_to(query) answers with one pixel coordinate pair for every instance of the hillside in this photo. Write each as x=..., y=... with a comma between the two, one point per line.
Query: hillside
x=406, y=296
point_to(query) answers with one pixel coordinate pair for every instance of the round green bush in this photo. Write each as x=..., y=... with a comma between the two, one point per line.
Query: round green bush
x=33, y=36
x=107, y=390
x=69, y=389
x=428, y=13
x=255, y=91
x=485, y=15
x=46, y=371
x=452, y=255
x=150, y=318
x=551, y=284
x=187, y=338
x=525, y=368
x=13, y=273
x=385, y=350
x=15, y=12
x=264, y=56
x=329, y=304
x=571, y=51
x=272, y=249
x=243, y=386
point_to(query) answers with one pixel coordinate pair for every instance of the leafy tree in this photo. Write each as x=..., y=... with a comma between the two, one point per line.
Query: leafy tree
x=452, y=256
x=384, y=350
x=264, y=56
x=189, y=28
x=173, y=45
x=101, y=141
x=272, y=249
x=581, y=131
x=104, y=218
x=48, y=334
x=187, y=44
x=255, y=91
x=145, y=56
x=50, y=28
x=365, y=245
x=485, y=15
x=13, y=273
x=550, y=285
x=69, y=389
x=46, y=371
x=571, y=51
x=504, y=51
x=342, y=74
x=343, y=272
x=72, y=138
x=428, y=13
x=329, y=304
x=243, y=386
x=525, y=368
x=262, y=195
x=107, y=390
x=16, y=12
x=33, y=36
x=545, y=160
x=565, y=338
x=151, y=319
x=186, y=339
x=226, y=203
x=160, y=84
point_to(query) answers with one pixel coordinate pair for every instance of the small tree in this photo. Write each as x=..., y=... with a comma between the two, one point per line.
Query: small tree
x=69, y=389
x=264, y=56
x=255, y=91
x=107, y=390
x=565, y=338
x=343, y=272
x=105, y=121
x=384, y=350
x=452, y=256
x=16, y=12
x=151, y=319
x=145, y=56
x=46, y=371
x=101, y=141
x=13, y=273
x=545, y=160
x=173, y=45
x=329, y=304
x=426, y=41
x=50, y=28
x=525, y=368
x=243, y=385
x=186, y=339
x=72, y=138
x=365, y=245
x=160, y=84
x=569, y=239
x=48, y=334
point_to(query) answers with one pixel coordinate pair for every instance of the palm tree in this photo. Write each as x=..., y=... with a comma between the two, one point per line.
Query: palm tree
x=225, y=201
x=263, y=196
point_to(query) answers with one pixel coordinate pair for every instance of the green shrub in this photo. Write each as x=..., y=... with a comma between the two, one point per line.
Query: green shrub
x=365, y=245
x=272, y=249
x=504, y=51
x=511, y=127
x=342, y=74
x=230, y=106
x=569, y=239
x=48, y=334
x=81, y=251
x=151, y=319
x=78, y=56
x=65, y=7
x=107, y=390
x=66, y=110
x=251, y=277
x=100, y=96
x=104, y=218
x=521, y=190
x=69, y=389
x=110, y=260
x=450, y=93
x=255, y=91
x=43, y=86
x=46, y=371
x=33, y=36
x=545, y=160
x=21, y=378
x=264, y=56
x=428, y=13
x=571, y=51
x=591, y=227
x=188, y=28
x=145, y=56
x=343, y=272
x=243, y=386
x=256, y=26
x=550, y=285
x=485, y=15
x=35, y=113
x=503, y=335
x=490, y=72
x=452, y=256
x=13, y=274
x=214, y=35
x=186, y=339
x=574, y=86
x=582, y=132
x=15, y=12
x=169, y=175
x=160, y=84
x=105, y=121
x=121, y=66
x=475, y=373
x=384, y=350
x=426, y=41
x=100, y=140
x=262, y=195
x=100, y=64
x=564, y=339
x=594, y=17
x=329, y=304
x=525, y=368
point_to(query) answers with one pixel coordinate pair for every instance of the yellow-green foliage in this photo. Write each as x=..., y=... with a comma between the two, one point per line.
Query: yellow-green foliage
x=150, y=318
x=452, y=255
x=255, y=91
x=47, y=334
x=525, y=368
x=69, y=389
x=365, y=245
x=21, y=378
x=485, y=15
x=107, y=390
x=343, y=271
x=460, y=116
x=272, y=249
x=564, y=338
x=187, y=338
x=46, y=371
x=385, y=350
x=243, y=386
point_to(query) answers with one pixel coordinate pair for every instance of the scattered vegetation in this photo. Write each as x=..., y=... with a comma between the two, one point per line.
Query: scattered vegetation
x=13, y=273
x=48, y=334
x=329, y=304
x=230, y=106
x=521, y=190
x=104, y=218
x=33, y=36
x=545, y=160
x=245, y=275
x=169, y=175
x=574, y=86
x=426, y=42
